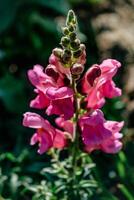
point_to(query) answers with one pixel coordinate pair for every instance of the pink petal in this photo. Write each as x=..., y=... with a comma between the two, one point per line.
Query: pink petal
x=34, y=139
x=114, y=126
x=111, y=146
x=67, y=125
x=63, y=107
x=41, y=101
x=39, y=79
x=109, y=90
x=45, y=142
x=32, y=120
x=59, y=139
x=59, y=93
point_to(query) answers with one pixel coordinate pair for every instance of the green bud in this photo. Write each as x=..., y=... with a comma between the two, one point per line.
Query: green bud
x=71, y=17
x=65, y=41
x=65, y=59
x=77, y=53
x=75, y=44
x=66, y=56
x=67, y=52
x=58, y=52
x=74, y=21
x=65, y=30
x=72, y=36
x=71, y=28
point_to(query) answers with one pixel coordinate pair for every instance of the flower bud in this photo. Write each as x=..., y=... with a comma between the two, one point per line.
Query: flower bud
x=75, y=44
x=52, y=71
x=77, y=69
x=82, y=47
x=66, y=56
x=72, y=36
x=65, y=30
x=65, y=41
x=71, y=18
x=93, y=73
x=71, y=28
x=58, y=52
x=77, y=53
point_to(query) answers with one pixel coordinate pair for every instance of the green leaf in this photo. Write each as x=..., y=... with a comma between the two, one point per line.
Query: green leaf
x=126, y=192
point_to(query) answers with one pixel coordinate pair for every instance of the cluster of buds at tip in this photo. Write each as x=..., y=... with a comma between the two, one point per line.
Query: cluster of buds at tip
x=72, y=48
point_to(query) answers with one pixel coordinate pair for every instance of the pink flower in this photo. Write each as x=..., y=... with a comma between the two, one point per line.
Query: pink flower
x=98, y=84
x=67, y=125
x=58, y=100
x=64, y=71
x=39, y=79
x=46, y=135
x=97, y=133
x=42, y=82
x=41, y=100
x=61, y=102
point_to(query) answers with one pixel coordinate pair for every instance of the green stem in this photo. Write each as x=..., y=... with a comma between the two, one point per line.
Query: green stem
x=75, y=148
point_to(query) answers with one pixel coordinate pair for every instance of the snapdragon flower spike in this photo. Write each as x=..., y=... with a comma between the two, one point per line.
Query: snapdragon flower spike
x=97, y=133
x=46, y=135
x=98, y=84
x=57, y=93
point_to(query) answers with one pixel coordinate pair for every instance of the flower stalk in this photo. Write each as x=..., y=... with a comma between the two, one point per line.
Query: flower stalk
x=57, y=93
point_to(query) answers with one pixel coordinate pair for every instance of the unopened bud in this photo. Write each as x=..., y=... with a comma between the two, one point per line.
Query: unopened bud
x=93, y=73
x=75, y=44
x=52, y=71
x=71, y=27
x=77, y=69
x=77, y=53
x=65, y=41
x=65, y=30
x=83, y=47
x=72, y=36
x=67, y=52
x=58, y=52
x=71, y=17
x=66, y=56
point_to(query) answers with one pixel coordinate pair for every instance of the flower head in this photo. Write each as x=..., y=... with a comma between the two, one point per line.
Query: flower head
x=97, y=133
x=98, y=84
x=46, y=135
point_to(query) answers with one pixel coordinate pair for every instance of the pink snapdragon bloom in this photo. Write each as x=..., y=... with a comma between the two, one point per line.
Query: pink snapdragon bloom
x=63, y=71
x=46, y=135
x=50, y=94
x=42, y=82
x=61, y=102
x=97, y=133
x=98, y=84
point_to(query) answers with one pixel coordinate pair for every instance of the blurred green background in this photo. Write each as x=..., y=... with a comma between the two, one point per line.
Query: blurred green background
x=29, y=30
